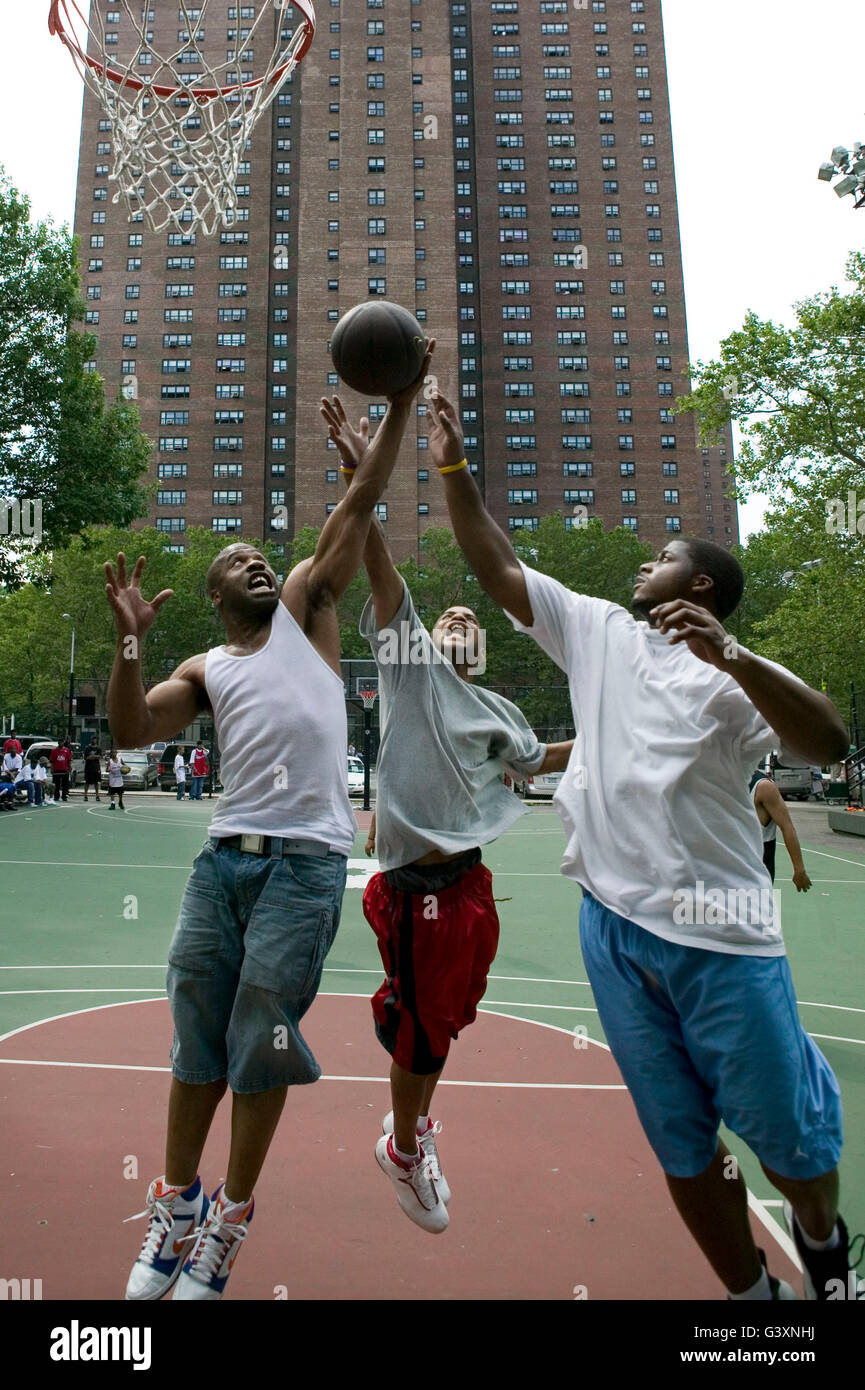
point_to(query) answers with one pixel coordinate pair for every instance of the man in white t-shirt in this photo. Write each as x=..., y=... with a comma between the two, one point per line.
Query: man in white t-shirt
x=679, y=928
x=262, y=904
x=180, y=774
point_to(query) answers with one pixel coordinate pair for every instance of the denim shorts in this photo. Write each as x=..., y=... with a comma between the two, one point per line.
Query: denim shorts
x=245, y=963
x=704, y=1036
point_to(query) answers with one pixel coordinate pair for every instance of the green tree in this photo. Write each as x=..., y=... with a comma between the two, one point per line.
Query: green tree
x=62, y=447
x=797, y=395
x=35, y=638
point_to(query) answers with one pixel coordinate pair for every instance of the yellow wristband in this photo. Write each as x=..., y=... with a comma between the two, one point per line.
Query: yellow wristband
x=455, y=467
x=343, y=469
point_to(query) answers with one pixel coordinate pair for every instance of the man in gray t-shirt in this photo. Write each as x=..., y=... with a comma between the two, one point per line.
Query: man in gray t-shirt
x=445, y=747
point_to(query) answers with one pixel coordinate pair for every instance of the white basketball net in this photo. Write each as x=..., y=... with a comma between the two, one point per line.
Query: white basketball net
x=178, y=164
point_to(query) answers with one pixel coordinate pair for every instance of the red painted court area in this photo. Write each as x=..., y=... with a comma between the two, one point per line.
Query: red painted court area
x=552, y=1188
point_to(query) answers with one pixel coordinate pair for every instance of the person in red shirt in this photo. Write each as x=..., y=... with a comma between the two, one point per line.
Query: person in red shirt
x=12, y=745
x=61, y=761
x=200, y=769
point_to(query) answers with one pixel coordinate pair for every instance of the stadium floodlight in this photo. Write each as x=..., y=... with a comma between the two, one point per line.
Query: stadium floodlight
x=846, y=185
x=854, y=175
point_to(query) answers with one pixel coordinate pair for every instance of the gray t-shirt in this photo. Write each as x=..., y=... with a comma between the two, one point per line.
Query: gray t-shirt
x=445, y=745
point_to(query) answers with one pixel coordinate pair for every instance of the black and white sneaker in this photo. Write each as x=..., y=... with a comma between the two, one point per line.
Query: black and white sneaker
x=779, y=1289
x=829, y=1275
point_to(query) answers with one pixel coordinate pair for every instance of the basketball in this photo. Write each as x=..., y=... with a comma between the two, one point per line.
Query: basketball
x=378, y=348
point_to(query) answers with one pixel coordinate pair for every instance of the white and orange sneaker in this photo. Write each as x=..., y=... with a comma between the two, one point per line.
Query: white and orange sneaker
x=208, y=1265
x=416, y=1188
x=174, y=1218
x=427, y=1142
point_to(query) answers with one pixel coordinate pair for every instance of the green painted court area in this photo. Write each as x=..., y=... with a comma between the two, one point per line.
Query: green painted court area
x=90, y=899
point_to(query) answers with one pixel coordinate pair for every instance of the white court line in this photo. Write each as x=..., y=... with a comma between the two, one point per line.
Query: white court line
x=342, y=994
x=362, y=970
x=774, y=1228
x=80, y=864
x=857, y=863
x=381, y=1080
x=758, y=1207
x=127, y=989
x=829, y=1037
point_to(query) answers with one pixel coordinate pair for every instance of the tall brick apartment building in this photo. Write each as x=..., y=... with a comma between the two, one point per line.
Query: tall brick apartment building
x=502, y=167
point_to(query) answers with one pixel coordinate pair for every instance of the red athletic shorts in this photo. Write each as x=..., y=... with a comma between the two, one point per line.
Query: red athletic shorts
x=436, y=949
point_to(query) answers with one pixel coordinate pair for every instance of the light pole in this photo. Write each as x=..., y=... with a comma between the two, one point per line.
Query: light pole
x=69, y=731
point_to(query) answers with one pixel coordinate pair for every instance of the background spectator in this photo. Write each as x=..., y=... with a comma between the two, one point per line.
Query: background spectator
x=92, y=769
x=61, y=761
x=199, y=767
x=180, y=775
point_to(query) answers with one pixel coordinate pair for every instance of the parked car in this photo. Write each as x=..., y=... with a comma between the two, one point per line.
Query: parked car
x=793, y=780
x=42, y=748
x=26, y=739
x=541, y=784
x=165, y=768
x=142, y=772
x=355, y=775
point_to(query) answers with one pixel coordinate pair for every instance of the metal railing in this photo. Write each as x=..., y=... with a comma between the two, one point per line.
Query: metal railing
x=855, y=766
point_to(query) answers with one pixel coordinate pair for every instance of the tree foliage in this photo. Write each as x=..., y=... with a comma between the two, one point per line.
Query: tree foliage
x=797, y=395
x=35, y=637
x=61, y=444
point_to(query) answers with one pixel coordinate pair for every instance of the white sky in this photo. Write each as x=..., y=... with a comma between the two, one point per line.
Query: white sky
x=761, y=91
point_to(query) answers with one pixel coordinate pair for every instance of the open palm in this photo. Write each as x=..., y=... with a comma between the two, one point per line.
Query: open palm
x=352, y=443
x=132, y=611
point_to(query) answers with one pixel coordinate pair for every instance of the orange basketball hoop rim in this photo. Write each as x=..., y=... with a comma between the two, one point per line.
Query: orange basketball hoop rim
x=60, y=24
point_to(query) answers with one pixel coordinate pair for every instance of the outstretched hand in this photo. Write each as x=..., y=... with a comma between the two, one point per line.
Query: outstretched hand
x=351, y=443
x=408, y=393
x=132, y=612
x=446, y=442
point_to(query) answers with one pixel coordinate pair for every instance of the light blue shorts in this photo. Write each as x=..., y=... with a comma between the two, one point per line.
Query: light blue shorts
x=702, y=1036
x=245, y=964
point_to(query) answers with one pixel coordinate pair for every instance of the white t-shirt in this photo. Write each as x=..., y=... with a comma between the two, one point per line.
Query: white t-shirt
x=655, y=804
x=12, y=762
x=179, y=768
x=445, y=745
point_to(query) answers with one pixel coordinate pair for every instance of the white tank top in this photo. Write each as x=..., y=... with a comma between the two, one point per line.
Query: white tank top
x=282, y=731
x=770, y=831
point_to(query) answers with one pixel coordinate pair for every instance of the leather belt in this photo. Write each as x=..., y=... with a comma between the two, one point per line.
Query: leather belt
x=273, y=845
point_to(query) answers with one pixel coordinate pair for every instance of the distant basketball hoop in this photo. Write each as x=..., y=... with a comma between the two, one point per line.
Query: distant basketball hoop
x=367, y=689
x=178, y=137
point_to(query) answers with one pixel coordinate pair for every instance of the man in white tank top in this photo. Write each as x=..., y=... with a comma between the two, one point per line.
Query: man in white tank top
x=262, y=905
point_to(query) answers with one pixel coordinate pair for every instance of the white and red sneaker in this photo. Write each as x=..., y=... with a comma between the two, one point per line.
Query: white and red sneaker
x=427, y=1142
x=208, y=1265
x=416, y=1188
x=174, y=1218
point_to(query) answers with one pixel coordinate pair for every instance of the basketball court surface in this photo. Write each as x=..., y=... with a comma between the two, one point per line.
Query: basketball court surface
x=556, y=1194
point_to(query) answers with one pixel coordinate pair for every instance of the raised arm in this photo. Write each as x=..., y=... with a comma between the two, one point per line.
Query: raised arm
x=768, y=796
x=137, y=718
x=343, y=537
x=484, y=544
x=384, y=579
